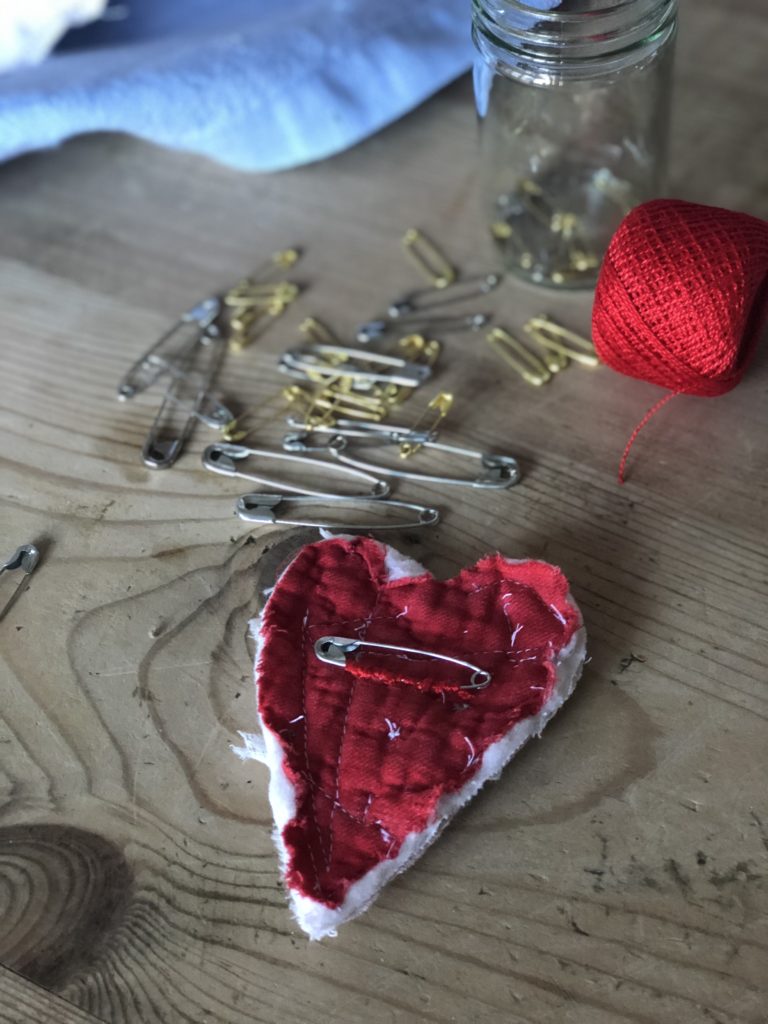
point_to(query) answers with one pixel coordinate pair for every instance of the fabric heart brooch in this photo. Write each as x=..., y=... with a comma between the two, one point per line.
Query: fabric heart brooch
x=386, y=700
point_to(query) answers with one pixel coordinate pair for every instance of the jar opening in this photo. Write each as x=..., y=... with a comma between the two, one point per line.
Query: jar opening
x=562, y=38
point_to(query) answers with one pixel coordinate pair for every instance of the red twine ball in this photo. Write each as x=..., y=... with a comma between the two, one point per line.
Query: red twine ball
x=681, y=299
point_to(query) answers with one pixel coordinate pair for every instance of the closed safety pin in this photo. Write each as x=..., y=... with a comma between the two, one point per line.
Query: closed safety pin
x=427, y=258
x=499, y=471
x=300, y=439
x=562, y=341
x=331, y=361
x=171, y=347
x=459, y=291
x=275, y=510
x=515, y=354
x=376, y=329
x=334, y=650
x=188, y=394
x=224, y=459
x=25, y=558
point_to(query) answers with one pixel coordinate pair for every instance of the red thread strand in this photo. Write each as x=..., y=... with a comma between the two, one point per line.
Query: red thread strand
x=648, y=416
x=681, y=299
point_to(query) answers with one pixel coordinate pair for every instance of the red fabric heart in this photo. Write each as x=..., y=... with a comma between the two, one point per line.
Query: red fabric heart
x=370, y=749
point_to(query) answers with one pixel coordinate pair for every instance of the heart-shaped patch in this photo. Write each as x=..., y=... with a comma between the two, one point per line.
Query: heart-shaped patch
x=371, y=757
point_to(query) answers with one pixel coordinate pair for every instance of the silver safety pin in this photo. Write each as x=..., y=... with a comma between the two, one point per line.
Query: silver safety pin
x=224, y=459
x=188, y=394
x=173, y=346
x=356, y=428
x=302, y=441
x=24, y=558
x=334, y=650
x=499, y=471
x=274, y=510
x=376, y=329
x=425, y=299
x=314, y=362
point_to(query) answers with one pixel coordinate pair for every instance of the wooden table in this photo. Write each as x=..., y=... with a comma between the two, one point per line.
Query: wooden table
x=619, y=870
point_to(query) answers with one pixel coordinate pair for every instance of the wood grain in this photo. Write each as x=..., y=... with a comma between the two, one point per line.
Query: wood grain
x=618, y=873
x=22, y=1002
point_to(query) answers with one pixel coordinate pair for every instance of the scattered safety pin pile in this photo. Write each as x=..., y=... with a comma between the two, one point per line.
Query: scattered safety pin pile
x=341, y=397
x=189, y=356
x=550, y=349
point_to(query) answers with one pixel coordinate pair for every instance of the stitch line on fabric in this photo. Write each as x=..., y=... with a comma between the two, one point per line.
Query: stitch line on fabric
x=365, y=625
x=329, y=797
x=313, y=813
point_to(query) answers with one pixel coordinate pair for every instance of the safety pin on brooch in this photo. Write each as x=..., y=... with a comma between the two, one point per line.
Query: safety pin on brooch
x=516, y=355
x=376, y=329
x=224, y=459
x=24, y=558
x=551, y=335
x=275, y=510
x=459, y=291
x=334, y=650
x=188, y=393
x=171, y=347
x=332, y=361
x=499, y=471
x=427, y=258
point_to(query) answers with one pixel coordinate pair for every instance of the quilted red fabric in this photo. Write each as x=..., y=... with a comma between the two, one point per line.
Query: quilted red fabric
x=372, y=747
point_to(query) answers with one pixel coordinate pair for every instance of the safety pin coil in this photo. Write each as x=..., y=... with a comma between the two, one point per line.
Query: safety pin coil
x=25, y=559
x=334, y=650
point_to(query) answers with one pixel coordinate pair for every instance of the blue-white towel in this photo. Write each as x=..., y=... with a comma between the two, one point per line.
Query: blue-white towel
x=257, y=84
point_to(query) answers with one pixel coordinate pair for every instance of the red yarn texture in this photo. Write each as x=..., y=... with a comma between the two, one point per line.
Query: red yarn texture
x=682, y=296
x=371, y=750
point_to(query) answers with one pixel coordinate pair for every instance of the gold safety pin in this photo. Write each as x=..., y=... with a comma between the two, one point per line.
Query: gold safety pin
x=428, y=259
x=556, y=338
x=516, y=355
x=440, y=406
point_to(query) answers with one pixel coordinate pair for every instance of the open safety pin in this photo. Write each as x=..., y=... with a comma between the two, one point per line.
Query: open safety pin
x=499, y=471
x=334, y=650
x=25, y=558
x=173, y=346
x=319, y=362
x=224, y=459
x=275, y=510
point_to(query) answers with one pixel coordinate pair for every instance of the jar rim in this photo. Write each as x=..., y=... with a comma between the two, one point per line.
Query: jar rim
x=568, y=35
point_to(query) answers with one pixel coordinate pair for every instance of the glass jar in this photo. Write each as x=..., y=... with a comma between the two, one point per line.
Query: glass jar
x=573, y=98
